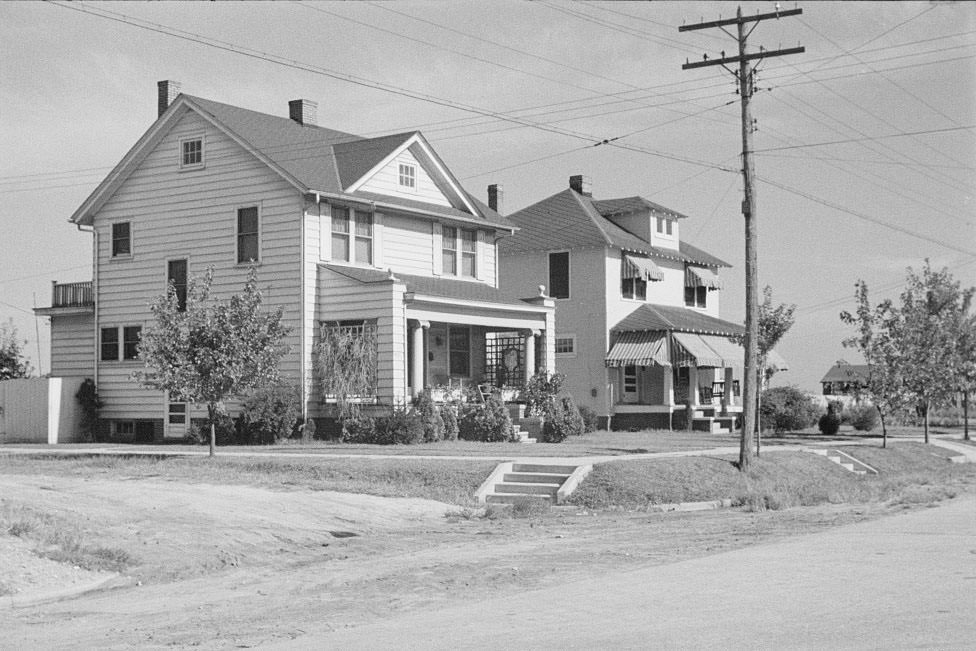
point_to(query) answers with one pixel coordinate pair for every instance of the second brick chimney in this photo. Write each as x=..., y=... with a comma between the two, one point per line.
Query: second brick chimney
x=581, y=184
x=167, y=90
x=303, y=111
x=496, y=196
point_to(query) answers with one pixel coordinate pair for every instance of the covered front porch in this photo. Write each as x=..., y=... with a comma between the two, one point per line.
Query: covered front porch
x=674, y=380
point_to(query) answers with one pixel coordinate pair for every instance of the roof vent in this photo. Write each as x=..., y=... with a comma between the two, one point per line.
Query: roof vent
x=167, y=90
x=581, y=184
x=302, y=111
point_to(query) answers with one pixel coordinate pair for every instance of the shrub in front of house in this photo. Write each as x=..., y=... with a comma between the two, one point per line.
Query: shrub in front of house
x=864, y=418
x=268, y=415
x=562, y=421
x=358, y=429
x=402, y=427
x=224, y=428
x=487, y=422
x=449, y=416
x=785, y=409
x=591, y=422
x=430, y=416
x=829, y=424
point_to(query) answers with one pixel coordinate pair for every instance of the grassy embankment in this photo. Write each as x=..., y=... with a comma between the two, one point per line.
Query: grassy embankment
x=908, y=473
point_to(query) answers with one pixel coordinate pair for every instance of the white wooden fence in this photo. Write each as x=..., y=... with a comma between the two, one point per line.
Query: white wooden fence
x=40, y=410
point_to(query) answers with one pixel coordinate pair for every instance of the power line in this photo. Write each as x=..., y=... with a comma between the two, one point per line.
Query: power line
x=867, y=138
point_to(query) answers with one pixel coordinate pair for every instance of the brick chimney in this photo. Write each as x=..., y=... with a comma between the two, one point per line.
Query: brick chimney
x=167, y=92
x=581, y=184
x=496, y=198
x=302, y=111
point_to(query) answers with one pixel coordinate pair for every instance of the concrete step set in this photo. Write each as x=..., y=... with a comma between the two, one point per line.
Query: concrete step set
x=846, y=461
x=515, y=481
x=706, y=420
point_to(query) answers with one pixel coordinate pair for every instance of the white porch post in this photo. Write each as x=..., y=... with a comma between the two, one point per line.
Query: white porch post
x=530, y=354
x=729, y=400
x=693, y=385
x=417, y=332
x=668, y=386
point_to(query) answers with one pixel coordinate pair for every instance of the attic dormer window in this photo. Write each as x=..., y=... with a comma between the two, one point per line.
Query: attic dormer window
x=407, y=176
x=191, y=152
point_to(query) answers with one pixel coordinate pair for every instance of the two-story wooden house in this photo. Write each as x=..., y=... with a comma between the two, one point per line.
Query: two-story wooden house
x=370, y=234
x=638, y=333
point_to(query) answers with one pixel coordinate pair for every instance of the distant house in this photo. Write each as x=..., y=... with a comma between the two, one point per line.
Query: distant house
x=372, y=235
x=638, y=332
x=844, y=379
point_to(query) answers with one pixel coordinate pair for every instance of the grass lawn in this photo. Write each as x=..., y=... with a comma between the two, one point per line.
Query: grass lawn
x=909, y=472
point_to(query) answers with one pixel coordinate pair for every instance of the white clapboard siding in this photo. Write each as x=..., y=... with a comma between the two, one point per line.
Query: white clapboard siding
x=341, y=298
x=193, y=214
x=407, y=244
x=73, y=345
x=386, y=180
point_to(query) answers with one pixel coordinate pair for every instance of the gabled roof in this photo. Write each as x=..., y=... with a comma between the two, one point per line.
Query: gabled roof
x=676, y=319
x=569, y=220
x=428, y=285
x=612, y=207
x=311, y=158
x=847, y=373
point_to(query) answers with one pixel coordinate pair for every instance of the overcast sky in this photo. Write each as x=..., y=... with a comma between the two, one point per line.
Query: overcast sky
x=518, y=93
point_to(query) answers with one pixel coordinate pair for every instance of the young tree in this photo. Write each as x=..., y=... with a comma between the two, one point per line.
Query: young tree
x=13, y=365
x=877, y=341
x=966, y=371
x=212, y=350
x=774, y=323
x=933, y=306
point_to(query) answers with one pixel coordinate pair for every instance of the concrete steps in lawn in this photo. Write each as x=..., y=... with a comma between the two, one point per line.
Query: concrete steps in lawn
x=845, y=461
x=522, y=436
x=713, y=424
x=514, y=481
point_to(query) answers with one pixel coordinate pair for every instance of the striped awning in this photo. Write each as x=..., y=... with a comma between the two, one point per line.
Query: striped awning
x=702, y=277
x=643, y=268
x=706, y=350
x=639, y=349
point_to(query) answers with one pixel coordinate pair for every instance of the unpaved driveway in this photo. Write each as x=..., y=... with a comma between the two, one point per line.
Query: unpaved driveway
x=227, y=566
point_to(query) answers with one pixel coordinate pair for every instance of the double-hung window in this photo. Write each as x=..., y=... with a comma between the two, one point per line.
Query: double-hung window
x=176, y=276
x=352, y=235
x=121, y=240
x=635, y=288
x=129, y=341
x=248, y=247
x=696, y=296
x=110, y=344
x=565, y=345
x=460, y=252
x=559, y=274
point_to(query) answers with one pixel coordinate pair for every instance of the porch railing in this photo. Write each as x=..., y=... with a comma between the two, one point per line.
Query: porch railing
x=72, y=294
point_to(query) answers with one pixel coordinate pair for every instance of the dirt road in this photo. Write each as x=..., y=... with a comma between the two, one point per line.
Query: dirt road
x=228, y=566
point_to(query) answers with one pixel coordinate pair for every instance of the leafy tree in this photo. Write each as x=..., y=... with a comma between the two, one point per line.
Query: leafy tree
x=966, y=370
x=13, y=365
x=774, y=323
x=877, y=341
x=212, y=350
x=933, y=307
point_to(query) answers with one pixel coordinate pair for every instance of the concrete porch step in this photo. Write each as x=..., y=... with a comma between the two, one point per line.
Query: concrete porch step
x=512, y=498
x=527, y=489
x=845, y=461
x=512, y=481
x=534, y=478
x=545, y=468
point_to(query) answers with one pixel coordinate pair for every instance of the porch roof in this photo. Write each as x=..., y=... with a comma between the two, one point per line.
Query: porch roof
x=706, y=350
x=467, y=290
x=640, y=349
x=676, y=319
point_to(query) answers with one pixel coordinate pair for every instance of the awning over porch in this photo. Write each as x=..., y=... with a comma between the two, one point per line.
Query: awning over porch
x=643, y=268
x=639, y=349
x=706, y=350
x=702, y=277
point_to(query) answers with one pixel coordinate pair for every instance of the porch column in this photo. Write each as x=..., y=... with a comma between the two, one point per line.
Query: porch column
x=417, y=337
x=669, y=386
x=530, y=354
x=693, y=385
x=729, y=400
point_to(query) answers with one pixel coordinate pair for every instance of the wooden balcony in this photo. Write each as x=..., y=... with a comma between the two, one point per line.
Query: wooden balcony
x=72, y=294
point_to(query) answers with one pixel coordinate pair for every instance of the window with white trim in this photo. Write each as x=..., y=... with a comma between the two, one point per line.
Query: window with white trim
x=352, y=235
x=565, y=345
x=191, y=152
x=121, y=239
x=248, y=245
x=459, y=248
x=407, y=176
x=120, y=343
x=635, y=288
x=696, y=296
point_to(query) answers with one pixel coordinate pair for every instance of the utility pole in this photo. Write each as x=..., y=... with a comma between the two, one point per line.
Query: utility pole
x=746, y=87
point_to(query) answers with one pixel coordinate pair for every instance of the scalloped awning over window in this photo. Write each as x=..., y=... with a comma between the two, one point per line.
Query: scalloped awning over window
x=643, y=268
x=706, y=350
x=640, y=349
x=702, y=277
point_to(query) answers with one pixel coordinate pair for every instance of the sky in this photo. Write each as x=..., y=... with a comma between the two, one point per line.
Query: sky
x=865, y=143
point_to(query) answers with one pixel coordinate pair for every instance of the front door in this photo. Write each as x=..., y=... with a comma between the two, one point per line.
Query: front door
x=629, y=392
x=177, y=420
